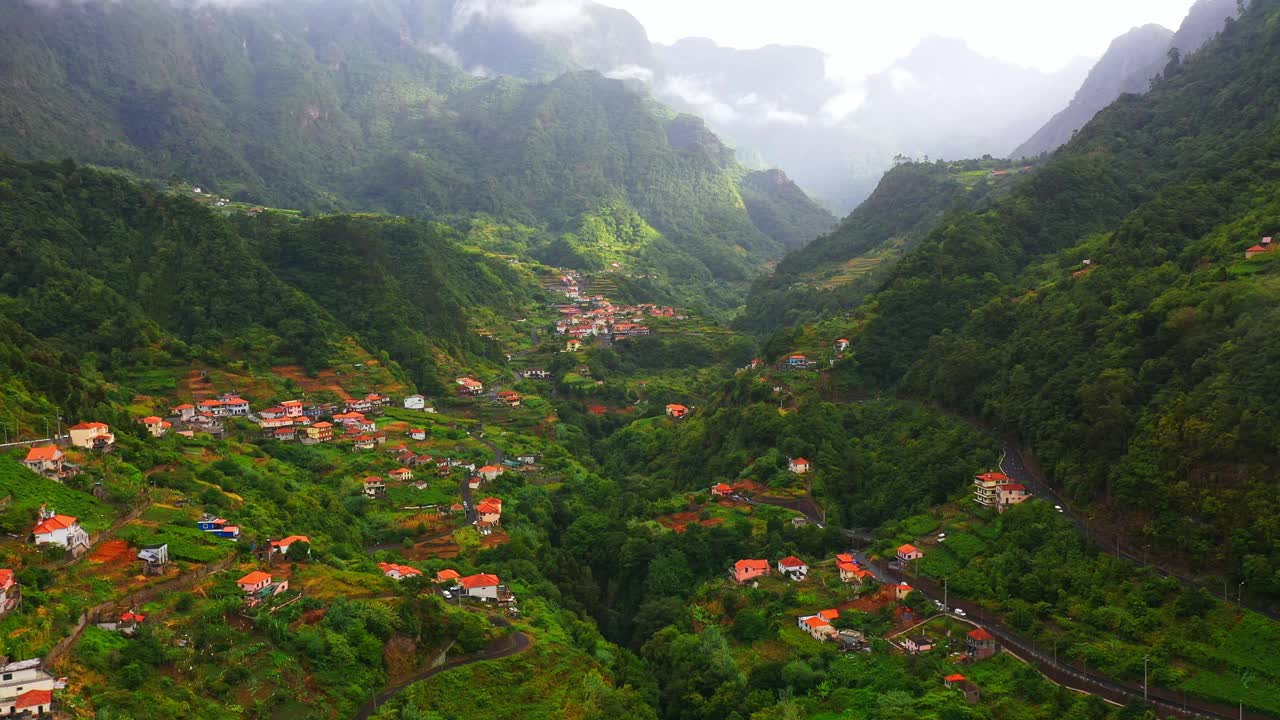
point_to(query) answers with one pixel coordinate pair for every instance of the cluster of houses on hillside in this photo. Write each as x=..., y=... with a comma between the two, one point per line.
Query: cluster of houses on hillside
x=286, y=420
x=596, y=315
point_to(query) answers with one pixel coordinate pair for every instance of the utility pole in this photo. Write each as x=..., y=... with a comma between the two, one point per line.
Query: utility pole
x=944, y=596
x=1144, y=677
x=1239, y=592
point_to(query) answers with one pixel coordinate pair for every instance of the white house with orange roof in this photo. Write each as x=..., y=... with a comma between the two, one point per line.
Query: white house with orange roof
x=745, y=571
x=398, y=572
x=282, y=546
x=483, y=586
x=799, y=465
x=185, y=412
x=47, y=461
x=448, y=575
x=676, y=412
x=489, y=510
x=819, y=625
x=92, y=436
x=375, y=486
x=793, y=568
x=63, y=530
x=155, y=426
x=235, y=405
x=909, y=552
x=721, y=490
x=469, y=386
x=490, y=472
x=254, y=581
x=26, y=689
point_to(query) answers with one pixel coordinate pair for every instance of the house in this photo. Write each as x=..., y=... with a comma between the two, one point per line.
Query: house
x=489, y=510
x=510, y=397
x=997, y=490
x=907, y=553
x=282, y=546
x=851, y=640
x=235, y=405
x=721, y=490
x=318, y=433
x=980, y=644
x=676, y=412
x=970, y=691
x=154, y=558
x=1255, y=251
x=793, y=568
x=536, y=374
x=951, y=680
x=469, y=386
x=917, y=643
x=573, y=345
x=254, y=582
x=398, y=572
x=375, y=487
x=482, y=586
x=797, y=361
x=446, y=576
x=490, y=472
x=474, y=482
x=364, y=442
x=418, y=433
x=842, y=344
x=528, y=458
x=25, y=688
x=61, y=530
x=747, y=570
x=851, y=573
x=293, y=408
x=273, y=413
x=349, y=418
x=402, y=475
x=155, y=426
x=285, y=434
x=92, y=436
x=817, y=627
x=10, y=592
x=185, y=412
x=415, y=402
x=902, y=590
x=47, y=461
x=218, y=527
x=799, y=466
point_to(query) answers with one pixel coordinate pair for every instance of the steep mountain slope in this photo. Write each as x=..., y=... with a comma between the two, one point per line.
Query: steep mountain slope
x=1128, y=66
x=1139, y=378
x=120, y=276
x=836, y=271
x=328, y=105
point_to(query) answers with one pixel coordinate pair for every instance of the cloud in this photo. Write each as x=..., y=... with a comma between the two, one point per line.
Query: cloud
x=694, y=92
x=901, y=80
x=776, y=116
x=631, y=72
x=445, y=53
x=840, y=106
x=747, y=100
x=531, y=17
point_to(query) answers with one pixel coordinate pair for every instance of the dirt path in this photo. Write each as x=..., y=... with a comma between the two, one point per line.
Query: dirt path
x=503, y=647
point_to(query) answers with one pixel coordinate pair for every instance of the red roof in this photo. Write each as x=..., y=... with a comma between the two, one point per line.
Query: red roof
x=791, y=561
x=831, y=614
x=1257, y=248
x=6, y=578
x=388, y=568
x=151, y=420
x=89, y=426
x=1008, y=487
x=286, y=542
x=751, y=565
x=954, y=678
x=447, y=574
x=184, y=406
x=816, y=622
x=48, y=452
x=57, y=522
x=846, y=566
x=253, y=578
x=33, y=698
x=907, y=549
x=490, y=468
x=471, y=582
x=722, y=487
x=210, y=403
x=981, y=635
x=799, y=461
x=994, y=477
x=845, y=558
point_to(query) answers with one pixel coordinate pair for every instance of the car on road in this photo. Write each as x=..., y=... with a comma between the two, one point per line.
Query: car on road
x=958, y=612
x=1058, y=508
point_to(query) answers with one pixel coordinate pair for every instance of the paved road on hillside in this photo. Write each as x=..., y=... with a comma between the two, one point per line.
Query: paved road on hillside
x=503, y=647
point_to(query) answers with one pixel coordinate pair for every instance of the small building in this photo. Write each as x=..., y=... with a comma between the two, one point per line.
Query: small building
x=917, y=643
x=469, y=386
x=448, y=575
x=26, y=689
x=510, y=397
x=155, y=426
x=482, y=586
x=254, y=581
x=10, y=591
x=677, y=412
x=418, y=433
x=186, y=412
x=415, y=402
x=398, y=572
x=908, y=552
x=92, y=436
x=952, y=679
x=282, y=546
x=318, y=433
x=1255, y=251
x=154, y=558
x=999, y=491
x=375, y=487
x=401, y=475
x=47, y=461
x=63, y=530
x=285, y=434
x=490, y=472
x=364, y=442
x=902, y=590
x=797, y=361
x=818, y=628
x=799, y=466
x=842, y=344
x=721, y=490
x=970, y=691
x=293, y=409
x=235, y=405
x=536, y=374
x=980, y=644
x=793, y=568
x=745, y=571
x=489, y=510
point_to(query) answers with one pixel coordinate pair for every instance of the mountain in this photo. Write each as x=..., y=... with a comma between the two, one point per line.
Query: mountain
x=778, y=107
x=1128, y=66
x=327, y=105
x=1142, y=377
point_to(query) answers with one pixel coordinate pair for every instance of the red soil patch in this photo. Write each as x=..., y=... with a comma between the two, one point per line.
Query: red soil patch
x=324, y=380
x=439, y=548
x=597, y=409
x=111, y=551
x=679, y=521
x=494, y=540
x=873, y=602
x=750, y=487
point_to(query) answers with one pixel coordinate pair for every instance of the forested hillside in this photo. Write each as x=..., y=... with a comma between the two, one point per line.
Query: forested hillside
x=1105, y=310
x=324, y=105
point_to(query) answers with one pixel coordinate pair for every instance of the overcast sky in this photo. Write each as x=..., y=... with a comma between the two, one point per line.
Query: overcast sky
x=863, y=37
